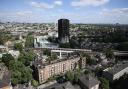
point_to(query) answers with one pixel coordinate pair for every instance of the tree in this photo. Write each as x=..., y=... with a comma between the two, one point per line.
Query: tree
x=92, y=61
x=34, y=83
x=108, y=52
x=30, y=55
x=98, y=71
x=87, y=72
x=29, y=41
x=18, y=46
x=89, y=60
x=123, y=46
x=54, y=56
x=64, y=45
x=14, y=81
x=16, y=65
x=26, y=75
x=51, y=58
x=20, y=73
x=73, y=42
x=52, y=39
x=27, y=57
x=6, y=58
x=47, y=52
x=4, y=37
x=70, y=76
x=77, y=74
x=104, y=83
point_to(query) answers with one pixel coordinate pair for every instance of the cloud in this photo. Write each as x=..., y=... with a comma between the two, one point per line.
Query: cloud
x=59, y=3
x=44, y=5
x=119, y=12
x=24, y=13
x=17, y=16
x=83, y=3
x=41, y=5
x=119, y=15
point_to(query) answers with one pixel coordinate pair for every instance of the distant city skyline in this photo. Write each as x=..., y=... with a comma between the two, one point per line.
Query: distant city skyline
x=78, y=11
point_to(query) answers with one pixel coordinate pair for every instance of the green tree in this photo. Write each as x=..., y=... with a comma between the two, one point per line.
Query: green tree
x=34, y=83
x=64, y=45
x=29, y=41
x=70, y=76
x=4, y=37
x=51, y=58
x=104, y=83
x=20, y=73
x=92, y=62
x=27, y=57
x=14, y=81
x=18, y=46
x=108, y=52
x=123, y=46
x=16, y=65
x=26, y=75
x=89, y=60
x=73, y=42
x=47, y=52
x=87, y=71
x=77, y=74
x=6, y=58
x=52, y=39
x=54, y=56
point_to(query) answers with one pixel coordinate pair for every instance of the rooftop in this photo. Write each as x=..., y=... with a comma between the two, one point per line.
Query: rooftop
x=2, y=47
x=66, y=85
x=40, y=63
x=121, y=53
x=89, y=81
x=117, y=68
x=61, y=51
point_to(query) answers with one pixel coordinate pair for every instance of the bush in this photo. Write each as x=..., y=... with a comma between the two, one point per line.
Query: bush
x=34, y=83
x=18, y=46
x=104, y=83
x=6, y=58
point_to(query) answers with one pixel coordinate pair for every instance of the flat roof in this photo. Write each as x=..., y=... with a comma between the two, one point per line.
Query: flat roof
x=117, y=68
x=121, y=53
x=62, y=51
x=2, y=46
x=89, y=81
x=66, y=85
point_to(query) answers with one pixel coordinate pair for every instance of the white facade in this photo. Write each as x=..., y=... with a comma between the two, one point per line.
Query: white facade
x=14, y=53
x=41, y=42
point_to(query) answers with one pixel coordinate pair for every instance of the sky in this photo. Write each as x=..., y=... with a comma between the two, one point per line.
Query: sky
x=77, y=11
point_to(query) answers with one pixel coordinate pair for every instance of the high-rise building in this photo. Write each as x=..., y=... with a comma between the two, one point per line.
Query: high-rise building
x=63, y=30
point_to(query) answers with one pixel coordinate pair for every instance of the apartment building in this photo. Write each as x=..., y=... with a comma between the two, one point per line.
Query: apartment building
x=46, y=70
x=116, y=71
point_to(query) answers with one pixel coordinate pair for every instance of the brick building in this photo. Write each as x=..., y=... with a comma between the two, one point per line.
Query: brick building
x=46, y=70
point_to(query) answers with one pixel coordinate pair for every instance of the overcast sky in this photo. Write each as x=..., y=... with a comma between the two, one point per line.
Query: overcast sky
x=78, y=11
